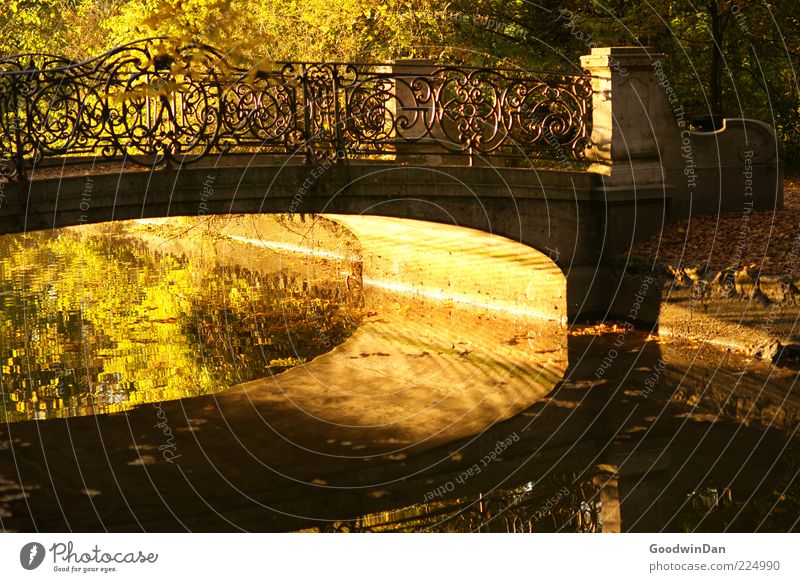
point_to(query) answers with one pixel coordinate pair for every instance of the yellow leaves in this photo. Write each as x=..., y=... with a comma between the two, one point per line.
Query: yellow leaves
x=309, y=30
x=157, y=89
x=264, y=68
x=285, y=362
x=163, y=48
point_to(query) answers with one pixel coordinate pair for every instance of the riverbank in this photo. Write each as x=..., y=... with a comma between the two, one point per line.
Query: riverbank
x=731, y=280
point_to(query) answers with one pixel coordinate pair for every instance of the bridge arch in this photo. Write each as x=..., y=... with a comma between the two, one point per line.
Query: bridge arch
x=555, y=213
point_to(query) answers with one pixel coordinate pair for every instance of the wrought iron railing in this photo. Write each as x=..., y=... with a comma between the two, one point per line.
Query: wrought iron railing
x=157, y=106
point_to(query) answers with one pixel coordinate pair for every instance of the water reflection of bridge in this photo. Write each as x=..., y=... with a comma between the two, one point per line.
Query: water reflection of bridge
x=589, y=457
x=431, y=417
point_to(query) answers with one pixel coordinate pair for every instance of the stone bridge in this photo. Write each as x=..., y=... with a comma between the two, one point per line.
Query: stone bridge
x=577, y=166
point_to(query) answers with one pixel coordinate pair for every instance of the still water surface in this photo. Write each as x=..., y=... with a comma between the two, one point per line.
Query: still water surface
x=94, y=323
x=454, y=406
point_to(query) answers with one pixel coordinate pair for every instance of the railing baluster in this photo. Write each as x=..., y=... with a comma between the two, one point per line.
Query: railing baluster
x=19, y=146
x=338, y=121
x=307, y=105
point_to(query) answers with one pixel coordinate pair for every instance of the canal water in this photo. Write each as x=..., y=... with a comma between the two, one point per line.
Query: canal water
x=100, y=319
x=364, y=374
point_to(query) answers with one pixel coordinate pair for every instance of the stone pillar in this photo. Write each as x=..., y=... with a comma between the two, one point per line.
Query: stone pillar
x=630, y=113
x=630, y=117
x=646, y=146
x=608, y=484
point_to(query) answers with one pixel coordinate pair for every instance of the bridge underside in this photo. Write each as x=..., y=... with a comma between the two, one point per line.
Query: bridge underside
x=570, y=217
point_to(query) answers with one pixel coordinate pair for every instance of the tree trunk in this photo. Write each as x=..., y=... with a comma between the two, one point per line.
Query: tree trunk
x=717, y=34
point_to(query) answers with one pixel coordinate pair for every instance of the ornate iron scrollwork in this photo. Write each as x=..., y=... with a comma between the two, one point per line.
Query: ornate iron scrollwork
x=159, y=107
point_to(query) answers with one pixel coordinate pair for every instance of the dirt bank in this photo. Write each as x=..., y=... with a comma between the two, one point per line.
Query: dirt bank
x=732, y=280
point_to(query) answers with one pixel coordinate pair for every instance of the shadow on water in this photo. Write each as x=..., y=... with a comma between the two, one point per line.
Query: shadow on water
x=671, y=437
x=461, y=403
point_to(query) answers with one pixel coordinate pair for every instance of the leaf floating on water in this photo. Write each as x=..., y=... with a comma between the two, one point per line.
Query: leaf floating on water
x=143, y=460
x=395, y=457
x=583, y=383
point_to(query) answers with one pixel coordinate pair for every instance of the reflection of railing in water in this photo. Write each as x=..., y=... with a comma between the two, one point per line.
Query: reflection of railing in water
x=560, y=504
x=158, y=106
x=712, y=508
